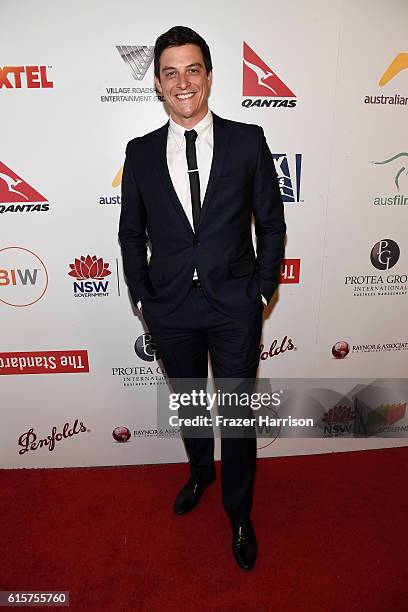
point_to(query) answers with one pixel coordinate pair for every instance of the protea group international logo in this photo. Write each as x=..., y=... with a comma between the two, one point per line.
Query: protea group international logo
x=90, y=273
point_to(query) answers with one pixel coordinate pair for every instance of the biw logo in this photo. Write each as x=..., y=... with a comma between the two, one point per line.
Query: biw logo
x=23, y=277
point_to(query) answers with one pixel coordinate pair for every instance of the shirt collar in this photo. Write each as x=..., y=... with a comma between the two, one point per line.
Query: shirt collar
x=202, y=129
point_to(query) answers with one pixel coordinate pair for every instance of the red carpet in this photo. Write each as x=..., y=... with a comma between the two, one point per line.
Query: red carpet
x=332, y=532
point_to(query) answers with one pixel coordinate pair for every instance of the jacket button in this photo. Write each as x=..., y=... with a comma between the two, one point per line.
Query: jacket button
x=196, y=242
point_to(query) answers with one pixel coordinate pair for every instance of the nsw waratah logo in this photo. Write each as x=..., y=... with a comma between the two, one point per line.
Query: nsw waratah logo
x=90, y=274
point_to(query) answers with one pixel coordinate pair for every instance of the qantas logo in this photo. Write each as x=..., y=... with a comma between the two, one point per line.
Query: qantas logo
x=260, y=81
x=138, y=58
x=13, y=189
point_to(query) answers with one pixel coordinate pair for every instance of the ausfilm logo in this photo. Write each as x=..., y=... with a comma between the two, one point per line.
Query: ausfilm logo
x=392, y=74
x=342, y=349
x=23, y=277
x=261, y=86
x=116, y=183
x=289, y=173
x=384, y=255
x=137, y=59
x=29, y=440
x=91, y=274
x=44, y=362
x=396, y=168
x=25, y=77
x=16, y=195
x=290, y=271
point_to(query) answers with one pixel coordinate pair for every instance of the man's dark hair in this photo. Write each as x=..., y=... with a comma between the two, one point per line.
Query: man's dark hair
x=175, y=37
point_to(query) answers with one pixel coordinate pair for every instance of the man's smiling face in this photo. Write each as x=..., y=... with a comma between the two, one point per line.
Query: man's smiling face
x=184, y=83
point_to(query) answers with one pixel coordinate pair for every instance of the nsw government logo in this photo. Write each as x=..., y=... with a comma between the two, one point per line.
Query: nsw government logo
x=138, y=59
x=91, y=276
x=261, y=86
x=18, y=196
x=384, y=256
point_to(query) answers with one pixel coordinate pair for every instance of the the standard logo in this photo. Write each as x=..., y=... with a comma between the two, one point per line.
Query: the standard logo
x=23, y=277
x=138, y=59
x=90, y=274
x=290, y=271
x=18, y=196
x=27, y=77
x=289, y=173
x=384, y=255
x=397, y=166
x=44, y=362
x=261, y=86
x=397, y=65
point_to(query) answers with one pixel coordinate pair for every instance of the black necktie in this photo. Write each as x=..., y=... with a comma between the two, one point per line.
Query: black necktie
x=191, y=136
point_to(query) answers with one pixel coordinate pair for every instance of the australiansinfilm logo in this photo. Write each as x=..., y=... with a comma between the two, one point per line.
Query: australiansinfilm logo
x=395, y=171
x=151, y=373
x=393, y=74
x=114, y=198
x=384, y=256
x=137, y=59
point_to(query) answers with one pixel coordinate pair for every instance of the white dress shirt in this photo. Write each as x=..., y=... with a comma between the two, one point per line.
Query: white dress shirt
x=177, y=163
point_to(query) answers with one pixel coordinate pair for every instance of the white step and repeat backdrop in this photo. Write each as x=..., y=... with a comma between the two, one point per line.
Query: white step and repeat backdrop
x=328, y=82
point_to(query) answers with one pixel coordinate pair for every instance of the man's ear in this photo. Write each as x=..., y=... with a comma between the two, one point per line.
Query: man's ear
x=209, y=77
x=157, y=85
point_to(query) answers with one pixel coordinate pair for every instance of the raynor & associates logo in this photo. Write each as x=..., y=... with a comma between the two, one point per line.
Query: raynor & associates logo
x=138, y=59
x=261, y=86
x=23, y=277
x=396, y=165
x=123, y=434
x=342, y=349
x=16, y=195
x=384, y=255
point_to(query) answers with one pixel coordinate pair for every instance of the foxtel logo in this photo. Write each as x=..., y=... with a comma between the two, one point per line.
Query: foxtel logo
x=31, y=77
x=14, y=189
x=260, y=81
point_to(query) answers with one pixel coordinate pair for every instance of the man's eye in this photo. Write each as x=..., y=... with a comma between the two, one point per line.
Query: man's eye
x=194, y=70
x=169, y=74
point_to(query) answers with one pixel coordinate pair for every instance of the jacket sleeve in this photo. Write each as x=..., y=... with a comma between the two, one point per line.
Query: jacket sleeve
x=132, y=232
x=270, y=227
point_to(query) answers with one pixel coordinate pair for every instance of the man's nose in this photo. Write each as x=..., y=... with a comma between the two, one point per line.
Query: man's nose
x=183, y=81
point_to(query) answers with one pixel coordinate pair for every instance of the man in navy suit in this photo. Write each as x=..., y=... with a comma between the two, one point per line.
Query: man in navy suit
x=191, y=187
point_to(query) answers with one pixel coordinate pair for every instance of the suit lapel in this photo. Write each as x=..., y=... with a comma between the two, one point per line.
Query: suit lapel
x=160, y=156
x=220, y=145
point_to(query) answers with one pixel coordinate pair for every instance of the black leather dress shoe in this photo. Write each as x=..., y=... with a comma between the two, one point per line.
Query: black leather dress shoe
x=190, y=495
x=244, y=544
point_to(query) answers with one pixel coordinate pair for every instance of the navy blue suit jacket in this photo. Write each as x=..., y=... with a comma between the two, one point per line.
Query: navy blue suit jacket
x=242, y=183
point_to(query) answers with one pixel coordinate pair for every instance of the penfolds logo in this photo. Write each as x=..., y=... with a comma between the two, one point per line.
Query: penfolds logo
x=30, y=441
x=276, y=349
